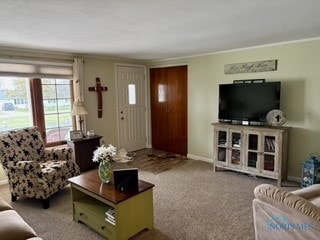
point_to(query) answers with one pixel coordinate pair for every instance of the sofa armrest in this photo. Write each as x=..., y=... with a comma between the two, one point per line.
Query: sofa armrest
x=283, y=199
x=272, y=222
x=64, y=153
x=13, y=227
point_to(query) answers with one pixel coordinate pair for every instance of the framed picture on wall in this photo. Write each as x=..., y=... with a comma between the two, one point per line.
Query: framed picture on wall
x=75, y=135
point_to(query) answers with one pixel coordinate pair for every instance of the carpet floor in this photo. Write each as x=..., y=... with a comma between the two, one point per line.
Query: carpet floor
x=190, y=202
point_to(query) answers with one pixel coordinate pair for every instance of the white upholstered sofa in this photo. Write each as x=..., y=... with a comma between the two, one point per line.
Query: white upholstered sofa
x=280, y=214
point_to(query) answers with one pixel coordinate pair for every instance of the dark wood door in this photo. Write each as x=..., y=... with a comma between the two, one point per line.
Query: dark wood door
x=169, y=109
x=159, y=108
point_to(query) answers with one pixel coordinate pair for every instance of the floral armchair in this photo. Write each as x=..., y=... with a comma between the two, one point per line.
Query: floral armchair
x=34, y=171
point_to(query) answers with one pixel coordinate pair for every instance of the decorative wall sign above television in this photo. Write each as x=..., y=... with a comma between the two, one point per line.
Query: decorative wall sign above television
x=250, y=81
x=251, y=67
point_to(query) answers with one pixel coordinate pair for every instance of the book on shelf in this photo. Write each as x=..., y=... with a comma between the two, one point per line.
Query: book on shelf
x=270, y=145
x=111, y=216
x=113, y=222
x=111, y=213
x=269, y=165
x=235, y=161
x=252, y=163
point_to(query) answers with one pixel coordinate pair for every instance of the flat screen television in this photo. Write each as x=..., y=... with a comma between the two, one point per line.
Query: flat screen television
x=248, y=102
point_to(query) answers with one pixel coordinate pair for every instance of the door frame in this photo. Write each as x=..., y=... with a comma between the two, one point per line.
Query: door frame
x=147, y=107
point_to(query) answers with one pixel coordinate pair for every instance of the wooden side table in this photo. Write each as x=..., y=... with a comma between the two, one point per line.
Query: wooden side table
x=83, y=151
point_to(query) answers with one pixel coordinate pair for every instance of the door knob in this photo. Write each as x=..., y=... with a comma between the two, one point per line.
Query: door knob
x=122, y=118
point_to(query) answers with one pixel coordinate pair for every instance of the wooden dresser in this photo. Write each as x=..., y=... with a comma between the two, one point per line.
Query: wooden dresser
x=83, y=151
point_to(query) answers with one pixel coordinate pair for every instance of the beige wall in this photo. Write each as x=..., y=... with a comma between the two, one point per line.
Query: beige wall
x=105, y=126
x=299, y=72
x=105, y=70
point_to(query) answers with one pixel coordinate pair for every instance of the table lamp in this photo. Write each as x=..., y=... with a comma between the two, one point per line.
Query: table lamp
x=79, y=110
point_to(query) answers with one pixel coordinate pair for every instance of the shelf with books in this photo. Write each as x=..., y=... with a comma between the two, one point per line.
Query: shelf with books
x=92, y=212
x=269, y=144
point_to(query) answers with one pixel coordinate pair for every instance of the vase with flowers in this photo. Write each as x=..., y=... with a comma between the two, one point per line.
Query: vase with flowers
x=104, y=156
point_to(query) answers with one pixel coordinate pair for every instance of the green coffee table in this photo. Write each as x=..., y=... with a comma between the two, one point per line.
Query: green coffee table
x=92, y=199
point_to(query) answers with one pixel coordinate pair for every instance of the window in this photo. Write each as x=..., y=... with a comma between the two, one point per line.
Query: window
x=14, y=114
x=132, y=94
x=36, y=91
x=162, y=93
x=44, y=102
x=57, y=108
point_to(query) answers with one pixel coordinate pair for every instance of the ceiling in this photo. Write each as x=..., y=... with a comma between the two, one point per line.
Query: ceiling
x=152, y=30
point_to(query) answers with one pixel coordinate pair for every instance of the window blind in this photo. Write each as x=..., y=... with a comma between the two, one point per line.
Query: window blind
x=36, y=68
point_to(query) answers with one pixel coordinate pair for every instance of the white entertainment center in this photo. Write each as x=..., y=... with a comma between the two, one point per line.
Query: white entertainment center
x=256, y=150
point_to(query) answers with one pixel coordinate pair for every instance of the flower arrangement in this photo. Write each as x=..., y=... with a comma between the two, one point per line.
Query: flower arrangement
x=104, y=154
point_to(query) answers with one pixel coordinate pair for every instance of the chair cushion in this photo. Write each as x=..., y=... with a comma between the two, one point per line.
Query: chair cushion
x=58, y=171
x=52, y=167
x=13, y=227
x=308, y=192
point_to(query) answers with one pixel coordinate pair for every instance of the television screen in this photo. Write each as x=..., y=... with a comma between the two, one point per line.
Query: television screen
x=248, y=101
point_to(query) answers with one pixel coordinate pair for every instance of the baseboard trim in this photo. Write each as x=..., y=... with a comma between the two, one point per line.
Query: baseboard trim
x=294, y=179
x=195, y=157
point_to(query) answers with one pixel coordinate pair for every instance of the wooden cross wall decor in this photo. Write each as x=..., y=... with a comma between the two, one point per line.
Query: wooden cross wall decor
x=99, y=89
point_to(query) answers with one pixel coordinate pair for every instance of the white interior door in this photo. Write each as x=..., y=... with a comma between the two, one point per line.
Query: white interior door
x=131, y=107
